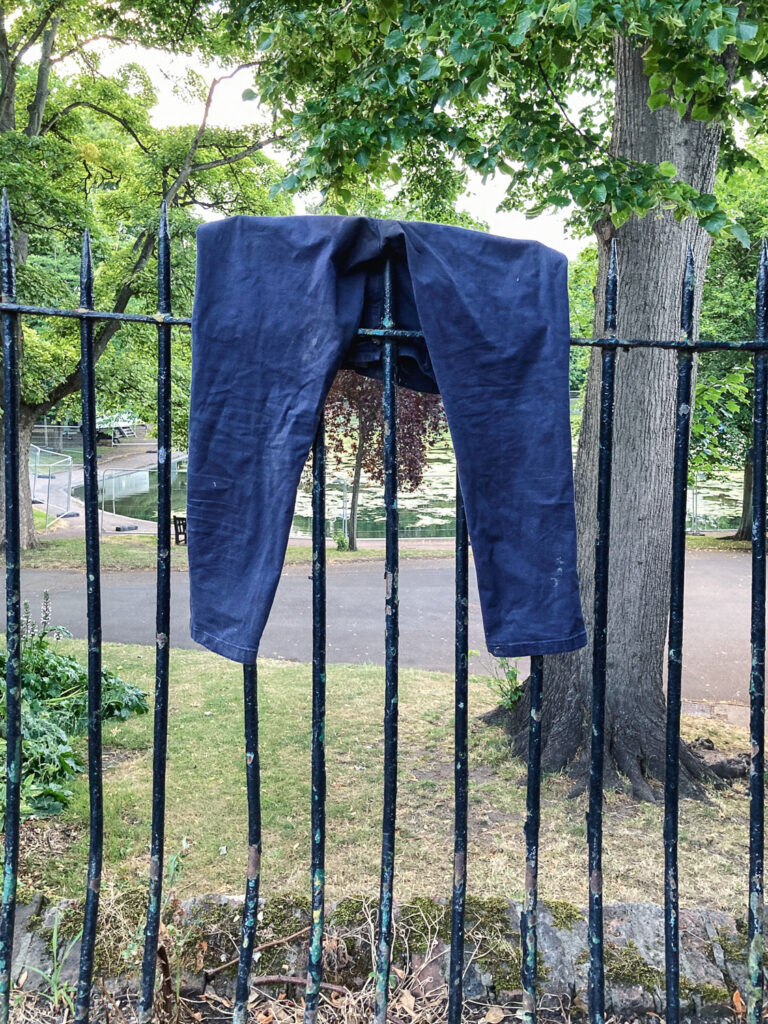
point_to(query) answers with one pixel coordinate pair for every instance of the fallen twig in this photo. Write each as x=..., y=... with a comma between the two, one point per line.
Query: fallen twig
x=280, y=979
x=258, y=949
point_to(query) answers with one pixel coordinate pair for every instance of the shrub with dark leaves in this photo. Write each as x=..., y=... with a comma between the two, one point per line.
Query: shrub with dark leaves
x=54, y=709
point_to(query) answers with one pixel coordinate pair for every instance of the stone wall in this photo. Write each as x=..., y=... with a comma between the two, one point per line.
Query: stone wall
x=200, y=936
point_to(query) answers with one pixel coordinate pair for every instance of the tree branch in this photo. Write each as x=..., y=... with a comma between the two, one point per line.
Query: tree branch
x=99, y=110
x=145, y=242
x=566, y=117
x=187, y=166
x=5, y=50
x=36, y=33
x=86, y=42
x=37, y=107
x=235, y=157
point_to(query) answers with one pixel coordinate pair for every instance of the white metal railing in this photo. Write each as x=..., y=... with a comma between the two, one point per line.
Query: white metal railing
x=42, y=463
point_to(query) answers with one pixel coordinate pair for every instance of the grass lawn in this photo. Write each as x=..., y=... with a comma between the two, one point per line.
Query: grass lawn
x=140, y=552
x=207, y=804
x=708, y=542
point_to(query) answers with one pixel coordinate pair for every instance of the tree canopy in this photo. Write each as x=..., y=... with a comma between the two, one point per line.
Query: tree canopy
x=525, y=87
x=79, y=148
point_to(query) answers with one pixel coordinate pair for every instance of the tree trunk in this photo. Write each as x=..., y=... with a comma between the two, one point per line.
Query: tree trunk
x=359, y=455
x=744, y=531
x=7, y=83
x=651, y=255
x=26, y=422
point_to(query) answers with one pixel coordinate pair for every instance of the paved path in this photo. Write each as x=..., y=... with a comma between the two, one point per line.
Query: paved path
x=716, y=648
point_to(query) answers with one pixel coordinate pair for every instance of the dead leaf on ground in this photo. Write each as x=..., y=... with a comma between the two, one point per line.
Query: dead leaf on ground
x=407, y=1001
x=494, y=1015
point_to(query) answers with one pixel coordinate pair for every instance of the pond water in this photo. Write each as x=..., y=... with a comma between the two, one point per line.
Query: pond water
x=425, y=512
x=134, y=492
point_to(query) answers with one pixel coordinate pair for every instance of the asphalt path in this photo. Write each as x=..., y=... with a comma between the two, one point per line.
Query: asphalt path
x=716, y=655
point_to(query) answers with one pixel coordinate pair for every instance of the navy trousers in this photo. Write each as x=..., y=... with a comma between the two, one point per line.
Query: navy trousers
x=278, y=303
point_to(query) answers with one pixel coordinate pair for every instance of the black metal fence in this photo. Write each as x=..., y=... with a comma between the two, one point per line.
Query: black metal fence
x=388, y=336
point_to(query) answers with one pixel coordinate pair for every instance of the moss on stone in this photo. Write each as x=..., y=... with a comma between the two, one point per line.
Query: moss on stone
x=206, y=935
x=564, y=914
x=708, y=994
x=488, y=913
x=734, y=946
x=420, y=922
x=121, y=917
x=353, y=912
x=282, y=916
x=69, y=921
x=626, y=965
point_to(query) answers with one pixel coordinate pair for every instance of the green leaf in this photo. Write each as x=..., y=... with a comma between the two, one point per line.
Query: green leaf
x=749, y=110
x=716, y=38
x=740, y=234
x=584, y=13
x=702, y=112
x=667, y=169
x=714, y=222
x=461, y=54
x=745, y=30
x=486, y=20
x=429, y=68
x=249, y=94
x=394, y=40
x=657, y=100
x=561, y=55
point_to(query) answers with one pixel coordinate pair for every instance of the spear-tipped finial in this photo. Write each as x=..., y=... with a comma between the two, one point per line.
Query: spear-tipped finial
x=761, y=310
x=7, y=254
x=611, y=291
x=689, y=291
x=86, y=273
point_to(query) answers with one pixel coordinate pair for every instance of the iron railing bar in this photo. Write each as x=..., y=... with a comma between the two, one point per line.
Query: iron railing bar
x=461, y=767
x=529, y=916
x=686, y=346
x=315, y=960
x=93, y=592
x=675, y=654
x=596, y=984
x=13, y=676
x=757, y=676
x=253, y=782
x=96, y=314
x=376, y=333
x=391, y=638
x=162, y=623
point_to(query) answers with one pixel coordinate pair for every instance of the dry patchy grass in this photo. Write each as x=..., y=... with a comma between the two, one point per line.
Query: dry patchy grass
x=207, y=803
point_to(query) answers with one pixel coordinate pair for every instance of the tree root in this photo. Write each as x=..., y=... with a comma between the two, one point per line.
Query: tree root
x=635, y=757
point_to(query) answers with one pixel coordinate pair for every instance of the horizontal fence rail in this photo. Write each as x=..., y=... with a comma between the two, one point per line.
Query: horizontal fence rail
x=11, y=313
